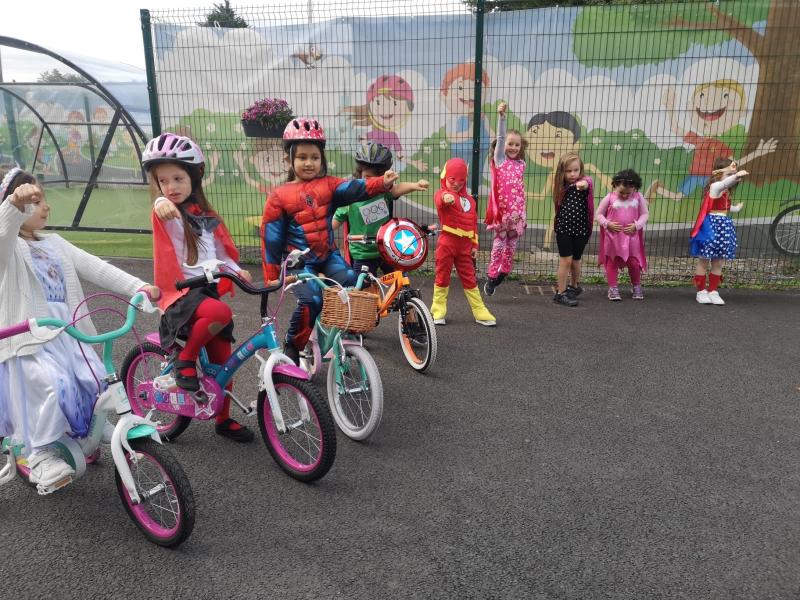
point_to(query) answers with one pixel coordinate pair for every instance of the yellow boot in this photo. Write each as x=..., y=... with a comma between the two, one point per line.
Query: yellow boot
x=479, y=310
x=439, y=304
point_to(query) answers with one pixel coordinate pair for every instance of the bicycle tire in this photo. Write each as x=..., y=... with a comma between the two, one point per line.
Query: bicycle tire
x=319, y=419
x=172, y=484
x=414, y=335
x=785, y=237
x=171, y=425
x=348, y=412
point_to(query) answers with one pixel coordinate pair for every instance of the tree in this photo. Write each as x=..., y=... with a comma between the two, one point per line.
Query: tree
x=223, y=16
x=663, y=33
x=56, y=76
x=507, y=5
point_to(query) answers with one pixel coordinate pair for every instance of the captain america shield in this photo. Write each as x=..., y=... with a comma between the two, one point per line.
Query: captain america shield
x=402, y=244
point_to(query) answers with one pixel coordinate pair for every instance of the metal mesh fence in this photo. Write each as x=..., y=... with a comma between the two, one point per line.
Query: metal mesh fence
x=661, y=88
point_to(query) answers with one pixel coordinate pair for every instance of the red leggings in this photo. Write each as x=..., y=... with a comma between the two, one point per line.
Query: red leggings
x=208, y=320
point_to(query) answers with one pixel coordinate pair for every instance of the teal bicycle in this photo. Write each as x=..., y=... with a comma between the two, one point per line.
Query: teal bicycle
x=150, y=482
x=355, y=390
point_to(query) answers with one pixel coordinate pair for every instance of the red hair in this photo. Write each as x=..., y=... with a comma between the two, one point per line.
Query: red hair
x=463, y=71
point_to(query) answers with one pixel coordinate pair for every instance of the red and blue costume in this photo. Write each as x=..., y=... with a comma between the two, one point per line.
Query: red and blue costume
x=298, y=215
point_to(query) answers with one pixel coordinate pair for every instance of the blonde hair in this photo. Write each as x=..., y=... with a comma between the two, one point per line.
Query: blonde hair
x=730, y=84
x=558, y=180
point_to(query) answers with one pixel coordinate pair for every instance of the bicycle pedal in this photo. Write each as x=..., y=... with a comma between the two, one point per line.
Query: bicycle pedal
x=165, y=383
x=54, y=487
x=201, y=397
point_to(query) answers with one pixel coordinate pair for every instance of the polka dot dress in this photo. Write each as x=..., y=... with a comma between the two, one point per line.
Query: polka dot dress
x=723, y=244
x=573, y=214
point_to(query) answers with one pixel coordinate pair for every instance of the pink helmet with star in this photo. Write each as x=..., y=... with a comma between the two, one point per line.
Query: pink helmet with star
x=303, y=130
x=393, y=86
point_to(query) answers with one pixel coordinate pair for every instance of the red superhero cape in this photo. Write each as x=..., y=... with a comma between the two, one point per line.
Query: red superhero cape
x=705, y=207
x=167, y=270
x=493, y=216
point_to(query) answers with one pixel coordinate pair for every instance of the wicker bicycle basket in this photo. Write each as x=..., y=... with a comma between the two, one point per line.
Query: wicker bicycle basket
x=359, y=315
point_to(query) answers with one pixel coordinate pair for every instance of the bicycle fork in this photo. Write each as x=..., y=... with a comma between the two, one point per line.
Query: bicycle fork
x=280, y=363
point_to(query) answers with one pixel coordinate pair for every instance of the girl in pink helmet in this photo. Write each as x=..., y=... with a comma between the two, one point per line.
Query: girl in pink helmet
x=298, y=215
x=186, y=231
x=390, y=102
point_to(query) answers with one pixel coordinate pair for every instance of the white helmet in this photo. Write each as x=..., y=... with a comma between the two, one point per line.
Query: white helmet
x=172, y=148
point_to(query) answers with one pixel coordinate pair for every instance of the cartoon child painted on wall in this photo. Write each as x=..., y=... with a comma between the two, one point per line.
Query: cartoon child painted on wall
x=715, y=108
x=390, y=102
x=457, y=93
x=261, y=164
x=100, y=116
x=550, y=136
x=74, y=137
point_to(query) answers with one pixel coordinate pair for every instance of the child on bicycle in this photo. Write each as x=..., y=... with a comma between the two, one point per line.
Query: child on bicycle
x=458, y=244
x=505, y=210
x=366, y=217
x=713, y=238
x=47, y=390
x=298, y=214
x=622, y=216
x=187, y=230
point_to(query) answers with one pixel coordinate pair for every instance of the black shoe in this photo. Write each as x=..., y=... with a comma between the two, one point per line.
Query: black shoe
x=292, y=352
x=190, y=383
x=564, y=299
x=499, y=279
x=574, y=292
x=488, y=287
x=241, y=434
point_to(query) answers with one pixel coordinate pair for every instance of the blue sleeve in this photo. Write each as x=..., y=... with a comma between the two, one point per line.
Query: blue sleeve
x=350, y=191
x=274, y=244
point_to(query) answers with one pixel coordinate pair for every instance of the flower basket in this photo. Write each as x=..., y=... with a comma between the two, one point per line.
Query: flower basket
x=254, y=129
x=266, y=118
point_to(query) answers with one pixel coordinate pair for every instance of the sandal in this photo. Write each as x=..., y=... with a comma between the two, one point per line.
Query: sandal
x=241, y=435
x=190, y=383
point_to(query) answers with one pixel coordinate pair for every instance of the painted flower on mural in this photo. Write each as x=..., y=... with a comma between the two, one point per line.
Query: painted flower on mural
x=427, y=149
x=269, y=112
x=617, y=147
x=596, y=141
x=657, y=161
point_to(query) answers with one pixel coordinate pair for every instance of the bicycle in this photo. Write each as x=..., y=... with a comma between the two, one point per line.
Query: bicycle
x=784, y=231
x=150, y=482
x=355, y=390
x=401, y=244
x=294, y=421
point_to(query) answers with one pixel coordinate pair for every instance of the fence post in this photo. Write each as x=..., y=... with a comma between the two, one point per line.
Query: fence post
x=475, y=167
x=150, y=66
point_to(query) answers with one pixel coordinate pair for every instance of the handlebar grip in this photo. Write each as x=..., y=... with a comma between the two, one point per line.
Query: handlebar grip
x=192, y=282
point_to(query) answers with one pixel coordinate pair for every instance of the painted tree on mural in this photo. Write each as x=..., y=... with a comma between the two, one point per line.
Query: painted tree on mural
x=664, y=32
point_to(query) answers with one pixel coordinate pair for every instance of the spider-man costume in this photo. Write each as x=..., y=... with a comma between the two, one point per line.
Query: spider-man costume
x=298, y=216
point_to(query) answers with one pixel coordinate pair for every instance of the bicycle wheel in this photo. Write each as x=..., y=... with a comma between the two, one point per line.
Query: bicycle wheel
x=784, y=232
x=417, y=335
x=165, y=514
x=356, y=395
x=142, y=364
x=307, y=449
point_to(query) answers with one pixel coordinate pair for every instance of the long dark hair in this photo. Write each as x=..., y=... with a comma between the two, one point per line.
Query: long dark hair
x=290, y=150
x=196, y=177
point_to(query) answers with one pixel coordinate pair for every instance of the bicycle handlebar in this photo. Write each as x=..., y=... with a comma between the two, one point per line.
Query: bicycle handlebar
x=202, y=280
x=41, y=329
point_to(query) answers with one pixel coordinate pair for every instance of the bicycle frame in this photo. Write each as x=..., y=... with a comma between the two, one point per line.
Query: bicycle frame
x=129, y=426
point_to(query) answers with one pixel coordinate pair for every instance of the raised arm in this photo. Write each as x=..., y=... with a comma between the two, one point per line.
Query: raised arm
x=353, y=190
x=401, y=188
x=500, y=148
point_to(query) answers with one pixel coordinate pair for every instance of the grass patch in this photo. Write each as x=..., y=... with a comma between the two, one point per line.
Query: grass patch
x=111, y=244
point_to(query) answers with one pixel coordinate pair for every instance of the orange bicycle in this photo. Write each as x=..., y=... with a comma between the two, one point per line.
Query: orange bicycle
x=403, y=245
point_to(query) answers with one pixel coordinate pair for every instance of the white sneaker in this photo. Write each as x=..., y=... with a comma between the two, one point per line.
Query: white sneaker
x=715, y=298
x=439, y=322
x=703, y=297
x=108, y=431
x=47, y=467
x=486, y=323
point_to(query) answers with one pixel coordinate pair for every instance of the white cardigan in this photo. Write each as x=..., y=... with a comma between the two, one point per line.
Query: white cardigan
x=21, y=295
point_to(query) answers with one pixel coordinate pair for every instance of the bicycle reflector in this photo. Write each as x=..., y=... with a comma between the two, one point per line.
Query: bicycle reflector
x=402, y=244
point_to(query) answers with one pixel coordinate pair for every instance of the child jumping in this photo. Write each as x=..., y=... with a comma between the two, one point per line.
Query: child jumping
x=367, y=217
x=505, y=211
x=458, y=244
x=298, y=214
x=573, y=197
x=47, y=390
x=622, y=216
x=187, y=230
x=713, y=238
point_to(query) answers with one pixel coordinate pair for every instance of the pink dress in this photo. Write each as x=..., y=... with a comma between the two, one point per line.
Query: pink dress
x=620, y=245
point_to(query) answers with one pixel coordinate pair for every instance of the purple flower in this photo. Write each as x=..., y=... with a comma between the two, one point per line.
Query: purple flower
x=269, y=112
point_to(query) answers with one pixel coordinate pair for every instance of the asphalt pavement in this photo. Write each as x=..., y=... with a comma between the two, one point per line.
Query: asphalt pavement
x=614, y=450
